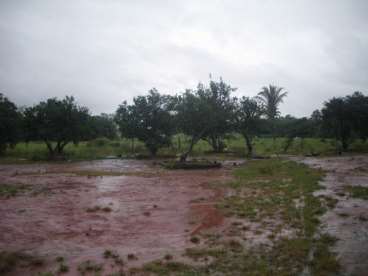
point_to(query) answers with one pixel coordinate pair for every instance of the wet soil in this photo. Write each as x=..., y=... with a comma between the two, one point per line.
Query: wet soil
x=78, y=210
x=348, y=220
x=145, y=211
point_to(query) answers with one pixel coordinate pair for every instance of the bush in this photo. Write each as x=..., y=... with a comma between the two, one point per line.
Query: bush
x=99, y=142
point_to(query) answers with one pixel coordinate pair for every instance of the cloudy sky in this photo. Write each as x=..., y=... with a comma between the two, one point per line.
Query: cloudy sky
x=105, y=51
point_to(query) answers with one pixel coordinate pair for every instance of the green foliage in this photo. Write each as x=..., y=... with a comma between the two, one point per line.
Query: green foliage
x=346, y=117
x=37, y=151
x=89, y=266
x=271, y=97
x=58, y=121
x=192, y=117
x=8, y=190
x=220, y=106
x=248, y=120
x=358, y=192
x=10, y=120
x=103, y=126
x=148, y=119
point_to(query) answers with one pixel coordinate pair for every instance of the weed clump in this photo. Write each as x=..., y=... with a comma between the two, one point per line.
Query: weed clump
x=11, y=190
x=132, y=257
x=89, y=266
x=358, y=192
x=10, y=260
x=195, y=239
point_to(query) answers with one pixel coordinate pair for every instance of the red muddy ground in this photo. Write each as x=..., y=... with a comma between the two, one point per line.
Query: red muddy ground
x=153, y=212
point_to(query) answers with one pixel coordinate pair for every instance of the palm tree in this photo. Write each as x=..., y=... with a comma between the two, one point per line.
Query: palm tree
x=271, y=97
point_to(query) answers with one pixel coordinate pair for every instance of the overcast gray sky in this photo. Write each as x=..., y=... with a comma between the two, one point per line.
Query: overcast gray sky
x=106, y=51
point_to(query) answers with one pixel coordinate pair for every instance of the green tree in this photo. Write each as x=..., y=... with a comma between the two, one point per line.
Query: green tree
x=271, y=97
x=337, y=120
x=291, y=128
x=193, y=115
x=148, y=119
x=221, y=108
x=316, y=119
x=103, y=126
x=57, y=123
x=248, y=120
x=346, y=118
x=127, y=122
x=358, y=113
x=10, y=120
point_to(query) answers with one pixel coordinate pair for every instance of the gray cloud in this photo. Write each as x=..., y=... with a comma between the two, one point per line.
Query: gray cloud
x=104, y=52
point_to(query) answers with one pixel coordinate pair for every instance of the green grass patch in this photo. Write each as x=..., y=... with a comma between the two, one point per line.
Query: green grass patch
x=270, y=189
x=357, y=192
x=89, y=267
x=10, y=190
x=235, y=147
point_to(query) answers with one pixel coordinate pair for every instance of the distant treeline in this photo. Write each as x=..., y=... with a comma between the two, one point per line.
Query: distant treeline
x=208, y=113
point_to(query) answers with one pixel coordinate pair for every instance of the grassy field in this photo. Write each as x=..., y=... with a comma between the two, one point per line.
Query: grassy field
x=101, y=148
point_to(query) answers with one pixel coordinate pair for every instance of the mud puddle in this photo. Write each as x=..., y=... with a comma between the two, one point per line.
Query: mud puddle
x=141, y=218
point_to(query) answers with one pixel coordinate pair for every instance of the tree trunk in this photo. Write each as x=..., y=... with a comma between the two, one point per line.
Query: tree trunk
x=248, y=143
x=179, y=142
x=184, y=156
x=193, y=141
x=288, y=143
x=345, y=144
x=153, y=151
x=51, y=150
x=216, y=143
x=132, y=146
x=57, y=151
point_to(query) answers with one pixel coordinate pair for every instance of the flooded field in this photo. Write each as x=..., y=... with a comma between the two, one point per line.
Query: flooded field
x=109, y=216
x=79, y=210
x=348, y=219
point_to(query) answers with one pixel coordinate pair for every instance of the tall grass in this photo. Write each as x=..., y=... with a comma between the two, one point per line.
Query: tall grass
x=102, y=148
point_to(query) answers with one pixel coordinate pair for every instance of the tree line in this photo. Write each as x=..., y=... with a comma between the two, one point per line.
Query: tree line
x=208, y=112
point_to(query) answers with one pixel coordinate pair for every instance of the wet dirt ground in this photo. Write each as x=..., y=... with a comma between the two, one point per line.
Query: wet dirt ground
x=348, y=220
x=131, y=207
x=79, y=210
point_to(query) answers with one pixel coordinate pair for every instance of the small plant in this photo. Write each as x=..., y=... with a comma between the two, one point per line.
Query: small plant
x=358, y=192
x=89, y=266
x=107, y=254
x=168, y=257
x=132, y=257
x=10, y=260
x=8, y=190
x=63, y=268
x=59, y=259
x=195, y=239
